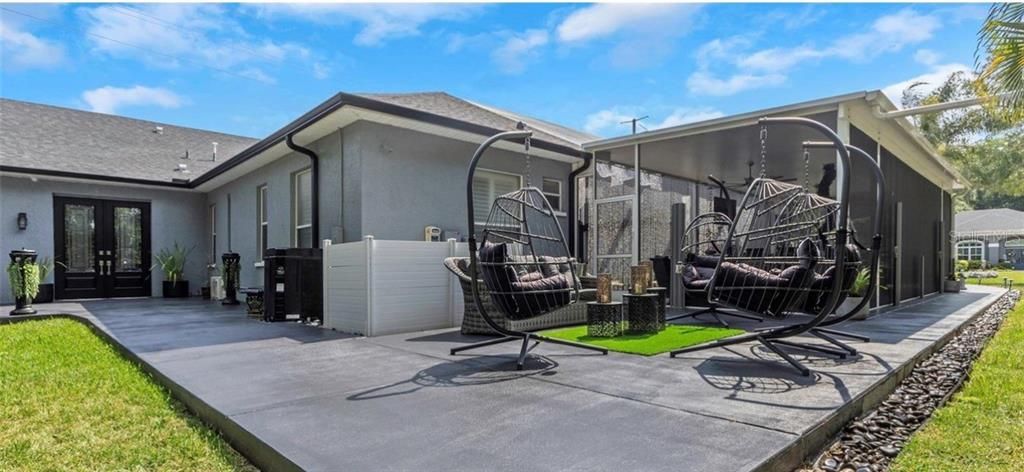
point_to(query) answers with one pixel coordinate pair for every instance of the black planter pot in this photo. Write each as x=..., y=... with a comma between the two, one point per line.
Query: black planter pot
x=45, y=294
x=177, y=289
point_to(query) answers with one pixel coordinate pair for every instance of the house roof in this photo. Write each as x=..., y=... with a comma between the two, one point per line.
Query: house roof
x=443, y=104
x=36, y=137
x=44, y=139
x=995, y=221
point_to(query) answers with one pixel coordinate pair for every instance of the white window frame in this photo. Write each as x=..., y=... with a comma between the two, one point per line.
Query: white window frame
x=295, y=206
x=492, y=196
x=560, y=210
x=975, y=244
x=262, y=220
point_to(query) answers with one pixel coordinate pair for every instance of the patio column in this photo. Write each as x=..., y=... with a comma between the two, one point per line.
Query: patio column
x=636, y=204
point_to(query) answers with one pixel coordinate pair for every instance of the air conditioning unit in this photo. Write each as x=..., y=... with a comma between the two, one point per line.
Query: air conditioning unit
x=217, y=288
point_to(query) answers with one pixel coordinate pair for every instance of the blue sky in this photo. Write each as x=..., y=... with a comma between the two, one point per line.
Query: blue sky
x=249, y=69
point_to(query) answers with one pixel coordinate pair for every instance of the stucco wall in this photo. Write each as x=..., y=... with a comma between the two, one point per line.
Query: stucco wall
x=173, y=219
x=277, y=176
x=408, y=180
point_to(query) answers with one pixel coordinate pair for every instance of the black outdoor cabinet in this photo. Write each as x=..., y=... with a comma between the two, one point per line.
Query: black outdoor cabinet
x=293, y=284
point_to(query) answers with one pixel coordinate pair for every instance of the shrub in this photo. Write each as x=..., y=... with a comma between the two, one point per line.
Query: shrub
x=962, y=265
x=975, y=265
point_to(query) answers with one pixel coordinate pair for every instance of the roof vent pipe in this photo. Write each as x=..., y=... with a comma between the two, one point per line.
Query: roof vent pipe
x=215, y=151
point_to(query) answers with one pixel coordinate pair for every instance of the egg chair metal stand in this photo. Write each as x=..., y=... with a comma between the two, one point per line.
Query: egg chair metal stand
x=779, y=238
x=518, y=296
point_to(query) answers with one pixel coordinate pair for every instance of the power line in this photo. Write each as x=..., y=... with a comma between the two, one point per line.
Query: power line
x=142, y=48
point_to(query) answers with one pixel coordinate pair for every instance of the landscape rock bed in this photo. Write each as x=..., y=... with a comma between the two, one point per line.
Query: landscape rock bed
x=870, y=443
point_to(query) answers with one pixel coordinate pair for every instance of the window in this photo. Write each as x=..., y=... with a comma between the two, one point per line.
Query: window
x=487, y=186
x=302, y=188
x=261, y=215
x=552, y=189
x=213, y=234
x=970, y=250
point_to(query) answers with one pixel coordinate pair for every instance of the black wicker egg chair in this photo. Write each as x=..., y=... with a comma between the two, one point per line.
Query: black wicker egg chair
x=779, y=242
x=522, y=258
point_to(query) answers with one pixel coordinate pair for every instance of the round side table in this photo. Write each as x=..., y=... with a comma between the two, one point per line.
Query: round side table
x=641, y=313
x=604, y=319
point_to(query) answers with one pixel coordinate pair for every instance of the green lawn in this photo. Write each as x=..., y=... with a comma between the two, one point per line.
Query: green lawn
x=1016, y=275
x=672, y=337
x=68, y=401
x=982, y=428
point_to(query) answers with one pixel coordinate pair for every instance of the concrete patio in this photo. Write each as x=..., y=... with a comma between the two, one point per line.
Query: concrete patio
x=292, y=396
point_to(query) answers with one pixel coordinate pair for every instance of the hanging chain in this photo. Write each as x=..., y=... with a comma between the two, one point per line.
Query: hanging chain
x=807, y=169
x=527, y=144
x=764, y=151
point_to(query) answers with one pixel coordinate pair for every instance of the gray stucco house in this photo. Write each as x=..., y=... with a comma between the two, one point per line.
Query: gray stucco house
x=994, y=236
x=103, y=193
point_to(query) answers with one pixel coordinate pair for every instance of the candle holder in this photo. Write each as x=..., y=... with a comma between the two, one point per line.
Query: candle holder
x=650, y=273
x=638, y=279
x=604, y=288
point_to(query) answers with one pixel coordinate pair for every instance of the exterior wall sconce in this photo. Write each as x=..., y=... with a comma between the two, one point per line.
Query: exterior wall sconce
x=22, y=221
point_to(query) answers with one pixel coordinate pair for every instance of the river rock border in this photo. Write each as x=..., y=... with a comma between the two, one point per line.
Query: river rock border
x=870, y=443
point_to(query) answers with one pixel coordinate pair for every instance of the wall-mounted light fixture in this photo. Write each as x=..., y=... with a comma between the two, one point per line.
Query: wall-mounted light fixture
x=22, y=221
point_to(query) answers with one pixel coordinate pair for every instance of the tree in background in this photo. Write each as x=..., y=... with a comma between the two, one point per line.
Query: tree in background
x=1000, y=56
x=985, y=143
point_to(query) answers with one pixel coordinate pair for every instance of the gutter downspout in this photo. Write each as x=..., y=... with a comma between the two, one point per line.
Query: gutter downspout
x=587, y=159
x=315, y=178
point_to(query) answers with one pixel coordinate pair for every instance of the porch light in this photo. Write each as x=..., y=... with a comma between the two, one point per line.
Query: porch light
x=22, y=221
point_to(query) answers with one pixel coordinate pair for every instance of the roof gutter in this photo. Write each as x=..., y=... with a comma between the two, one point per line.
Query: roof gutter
x=314, y=161
x=588, y=158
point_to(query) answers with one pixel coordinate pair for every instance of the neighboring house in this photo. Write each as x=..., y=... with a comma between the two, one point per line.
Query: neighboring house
x=995, y=235
x=103, y=193
x=388, y=164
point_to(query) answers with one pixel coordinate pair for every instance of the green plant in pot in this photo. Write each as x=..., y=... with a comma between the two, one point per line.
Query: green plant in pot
x=171, y=262
x=23, y=275
x=858, y=290
x=46, y=266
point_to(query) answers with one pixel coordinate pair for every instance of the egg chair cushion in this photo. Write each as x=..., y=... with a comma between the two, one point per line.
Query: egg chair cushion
x=821, y=286
x=520, y=296
x=762, y=291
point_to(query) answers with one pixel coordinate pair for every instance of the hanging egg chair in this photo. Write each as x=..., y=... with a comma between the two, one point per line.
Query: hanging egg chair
x=522, y=257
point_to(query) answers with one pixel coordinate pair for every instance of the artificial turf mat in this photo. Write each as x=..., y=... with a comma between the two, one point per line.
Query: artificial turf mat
x=670, y=338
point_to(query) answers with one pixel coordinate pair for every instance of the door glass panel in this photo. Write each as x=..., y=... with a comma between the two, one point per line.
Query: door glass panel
x=80, y=237
x=127, y=239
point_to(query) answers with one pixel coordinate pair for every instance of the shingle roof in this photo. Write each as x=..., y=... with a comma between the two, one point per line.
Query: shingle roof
x=993, y=220
x=443, y=104
x=43, y=137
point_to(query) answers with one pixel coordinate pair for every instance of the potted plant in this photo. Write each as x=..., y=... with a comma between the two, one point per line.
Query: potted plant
x=45, y=290
x=172, y=263
x=858, y=290
x=23, y=275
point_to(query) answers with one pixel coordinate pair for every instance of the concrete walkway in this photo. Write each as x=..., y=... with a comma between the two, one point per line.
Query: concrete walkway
x=294, y=396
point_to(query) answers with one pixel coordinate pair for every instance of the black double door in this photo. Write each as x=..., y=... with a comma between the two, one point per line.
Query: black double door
x=101, y=248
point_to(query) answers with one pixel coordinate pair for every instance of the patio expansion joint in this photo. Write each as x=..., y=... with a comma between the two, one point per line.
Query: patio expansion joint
x=599, y=392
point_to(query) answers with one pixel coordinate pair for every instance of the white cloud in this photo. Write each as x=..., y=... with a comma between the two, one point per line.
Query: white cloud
x=256, y=74
x=684, y=115
x=512, y=56
x=610, y=121
x=929, y=81
x=380, y=22
x=321, y=71
x=769, y=67
x=24, y=50
x=109, y=99
x=927, y=57
x=605, y=19
x=197, y=34
x=705, y=83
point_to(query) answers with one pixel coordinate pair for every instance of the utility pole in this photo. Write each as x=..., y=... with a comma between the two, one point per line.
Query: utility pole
x=635, y=122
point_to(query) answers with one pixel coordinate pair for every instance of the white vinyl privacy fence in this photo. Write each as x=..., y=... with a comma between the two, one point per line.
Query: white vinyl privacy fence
x=376, y=287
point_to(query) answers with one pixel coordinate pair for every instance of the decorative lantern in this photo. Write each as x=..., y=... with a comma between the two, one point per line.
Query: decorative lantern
x=650, y=273
x=604, y=288
x=638, y=279
x=230, y=261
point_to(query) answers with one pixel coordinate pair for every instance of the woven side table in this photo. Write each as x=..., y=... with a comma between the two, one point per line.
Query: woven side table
x=604, y=319
x=641, y=313
x=662, y=294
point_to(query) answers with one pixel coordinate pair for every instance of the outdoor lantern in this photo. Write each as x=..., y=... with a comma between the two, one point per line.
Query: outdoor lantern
x=604, y=288
x=22, y=221
x=638, y=279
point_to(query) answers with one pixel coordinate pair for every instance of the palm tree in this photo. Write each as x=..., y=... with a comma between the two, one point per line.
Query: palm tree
x=1000, y=55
